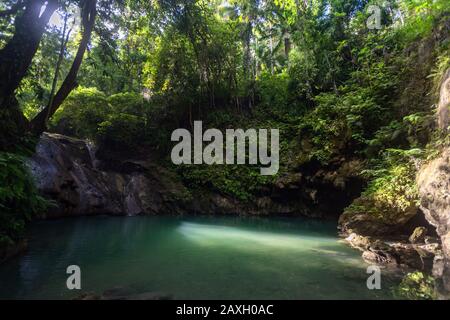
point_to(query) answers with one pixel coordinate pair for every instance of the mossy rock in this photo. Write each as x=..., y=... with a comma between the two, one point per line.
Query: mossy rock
x=416, y=286
x=418, y=235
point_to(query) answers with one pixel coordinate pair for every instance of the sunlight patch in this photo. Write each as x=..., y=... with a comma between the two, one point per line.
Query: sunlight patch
x=210, y=235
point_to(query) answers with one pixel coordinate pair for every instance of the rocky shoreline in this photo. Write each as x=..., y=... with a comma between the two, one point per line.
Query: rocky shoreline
x=427, y=247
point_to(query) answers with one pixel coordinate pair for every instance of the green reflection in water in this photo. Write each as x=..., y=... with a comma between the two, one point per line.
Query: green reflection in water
x=191, y=258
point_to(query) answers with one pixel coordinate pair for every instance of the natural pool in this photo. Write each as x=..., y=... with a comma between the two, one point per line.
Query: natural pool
x=191, y=258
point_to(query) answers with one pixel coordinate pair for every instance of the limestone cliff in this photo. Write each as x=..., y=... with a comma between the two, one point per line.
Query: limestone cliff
x=434, y=189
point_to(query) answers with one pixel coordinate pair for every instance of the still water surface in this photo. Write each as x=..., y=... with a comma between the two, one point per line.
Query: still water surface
x=191, y=258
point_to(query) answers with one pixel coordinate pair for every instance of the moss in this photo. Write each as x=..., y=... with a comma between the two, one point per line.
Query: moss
x=391, y=197
x=223, y=179
x=416, y=286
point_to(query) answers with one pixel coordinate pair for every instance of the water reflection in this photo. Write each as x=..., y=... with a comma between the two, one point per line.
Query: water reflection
x=190, y=258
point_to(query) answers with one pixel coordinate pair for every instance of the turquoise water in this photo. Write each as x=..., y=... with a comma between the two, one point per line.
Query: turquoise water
x=190, y=258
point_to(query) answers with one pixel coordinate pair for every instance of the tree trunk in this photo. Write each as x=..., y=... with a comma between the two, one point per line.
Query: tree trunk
x=15, y=60
x=287, y=47
x=64, y=41
x=39, y=123
x=16, y=56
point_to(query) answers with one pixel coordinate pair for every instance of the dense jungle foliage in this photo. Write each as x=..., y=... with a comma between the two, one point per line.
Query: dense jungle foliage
x=336, y=87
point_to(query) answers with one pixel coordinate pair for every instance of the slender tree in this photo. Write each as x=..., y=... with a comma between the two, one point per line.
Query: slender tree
x=88, y=15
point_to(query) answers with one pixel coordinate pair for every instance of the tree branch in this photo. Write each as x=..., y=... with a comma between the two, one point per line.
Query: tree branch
x=39, y=123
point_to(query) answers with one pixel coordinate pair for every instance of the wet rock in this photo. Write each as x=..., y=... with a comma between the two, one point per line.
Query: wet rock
x=380, y=258
x=395, y=253
x=374, y=250
x=358, y=241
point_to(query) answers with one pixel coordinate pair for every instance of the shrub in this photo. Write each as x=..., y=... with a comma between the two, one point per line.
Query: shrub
x=122, y=131
x=273, y=90
x=19, y=200
x=128, y=102
x=81, y=113
x=239, y=181
x=392, y=195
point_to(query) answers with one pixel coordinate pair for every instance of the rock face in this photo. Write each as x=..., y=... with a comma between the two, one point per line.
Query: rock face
x=395, y=223
x=317, y=191
x=444, y=101
x=434, y=188
x=66, y=172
